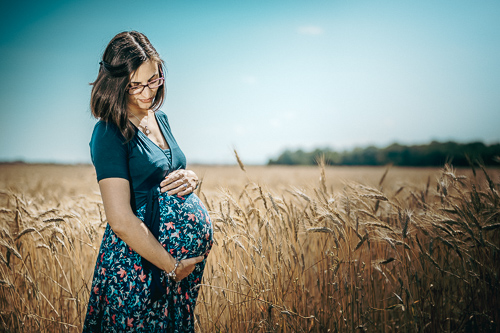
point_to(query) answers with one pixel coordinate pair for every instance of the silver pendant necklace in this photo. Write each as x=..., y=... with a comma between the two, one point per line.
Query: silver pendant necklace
x=146, y=129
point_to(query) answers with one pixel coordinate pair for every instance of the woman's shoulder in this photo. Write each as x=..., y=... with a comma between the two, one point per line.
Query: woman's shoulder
x=161, y=115
x=106, y=131
x=108, y=152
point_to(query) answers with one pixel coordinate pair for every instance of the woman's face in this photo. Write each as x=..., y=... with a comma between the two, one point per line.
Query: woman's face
x=147, y=72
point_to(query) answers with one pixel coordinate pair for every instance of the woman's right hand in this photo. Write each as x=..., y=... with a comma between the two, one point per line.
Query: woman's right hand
x=186, y=267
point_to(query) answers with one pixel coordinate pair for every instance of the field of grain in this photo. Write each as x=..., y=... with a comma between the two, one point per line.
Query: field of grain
x=297, y=249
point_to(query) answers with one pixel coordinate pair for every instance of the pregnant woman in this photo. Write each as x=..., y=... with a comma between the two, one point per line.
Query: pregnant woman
x=159, y=234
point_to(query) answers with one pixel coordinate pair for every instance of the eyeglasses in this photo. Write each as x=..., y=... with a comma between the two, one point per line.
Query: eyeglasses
x=137, y=89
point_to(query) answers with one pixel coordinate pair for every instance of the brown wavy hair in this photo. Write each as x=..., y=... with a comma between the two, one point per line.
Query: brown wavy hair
x=125, y=53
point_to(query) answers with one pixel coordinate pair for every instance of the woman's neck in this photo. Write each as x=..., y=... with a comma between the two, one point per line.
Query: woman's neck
x=138, y=112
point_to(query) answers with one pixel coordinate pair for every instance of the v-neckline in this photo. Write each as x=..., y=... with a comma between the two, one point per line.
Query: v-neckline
x=162, y=133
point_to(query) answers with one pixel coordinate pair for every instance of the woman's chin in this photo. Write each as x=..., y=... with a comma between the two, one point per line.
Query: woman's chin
x=141, y=107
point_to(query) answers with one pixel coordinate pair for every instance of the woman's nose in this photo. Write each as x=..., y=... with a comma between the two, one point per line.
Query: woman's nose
x=147, y=92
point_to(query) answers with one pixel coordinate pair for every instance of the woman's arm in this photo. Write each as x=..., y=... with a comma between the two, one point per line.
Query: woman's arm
x=115, y=194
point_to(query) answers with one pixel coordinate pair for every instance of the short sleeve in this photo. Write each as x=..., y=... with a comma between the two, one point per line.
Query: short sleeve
x=108, y=152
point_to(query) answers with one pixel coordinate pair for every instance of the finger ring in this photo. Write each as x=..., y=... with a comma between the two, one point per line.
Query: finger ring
x=185, y=185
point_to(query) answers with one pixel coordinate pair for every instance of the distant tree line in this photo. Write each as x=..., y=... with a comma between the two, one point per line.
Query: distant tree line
x=432, y=154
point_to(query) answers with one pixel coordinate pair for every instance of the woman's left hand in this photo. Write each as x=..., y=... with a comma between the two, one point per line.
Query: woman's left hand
x=179, y=182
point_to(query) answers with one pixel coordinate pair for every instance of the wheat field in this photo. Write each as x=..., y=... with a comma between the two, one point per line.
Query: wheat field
x=297, y=249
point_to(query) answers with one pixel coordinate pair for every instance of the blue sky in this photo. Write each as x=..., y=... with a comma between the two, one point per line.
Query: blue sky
x=258, y=76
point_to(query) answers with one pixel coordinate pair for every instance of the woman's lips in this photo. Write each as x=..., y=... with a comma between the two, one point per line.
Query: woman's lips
x=146, y=100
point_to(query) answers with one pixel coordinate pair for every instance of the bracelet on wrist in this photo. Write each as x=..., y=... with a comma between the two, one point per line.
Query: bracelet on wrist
x=172, y=274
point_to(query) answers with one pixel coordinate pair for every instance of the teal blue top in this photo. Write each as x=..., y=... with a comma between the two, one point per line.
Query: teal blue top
x=140, y=161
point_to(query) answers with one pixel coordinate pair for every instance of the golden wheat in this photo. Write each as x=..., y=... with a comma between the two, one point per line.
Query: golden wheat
x=296, y=249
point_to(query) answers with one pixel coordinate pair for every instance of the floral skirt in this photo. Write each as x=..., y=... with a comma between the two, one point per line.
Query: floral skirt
x=120, y=299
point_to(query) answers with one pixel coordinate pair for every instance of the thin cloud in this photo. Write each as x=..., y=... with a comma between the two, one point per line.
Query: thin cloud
x=310, y=30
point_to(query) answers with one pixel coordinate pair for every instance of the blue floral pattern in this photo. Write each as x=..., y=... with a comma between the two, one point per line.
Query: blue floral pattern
x=120, y=299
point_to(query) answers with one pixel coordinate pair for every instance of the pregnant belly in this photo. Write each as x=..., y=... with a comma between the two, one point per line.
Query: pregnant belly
x=185, y=228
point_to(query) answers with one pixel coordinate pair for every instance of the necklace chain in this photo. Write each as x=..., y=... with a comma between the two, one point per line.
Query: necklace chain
x=146, y=129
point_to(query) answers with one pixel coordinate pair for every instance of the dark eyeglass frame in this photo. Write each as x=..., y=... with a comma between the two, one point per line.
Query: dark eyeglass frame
x=137, y=91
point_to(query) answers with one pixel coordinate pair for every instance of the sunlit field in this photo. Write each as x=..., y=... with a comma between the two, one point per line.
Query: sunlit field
x=297, y=249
